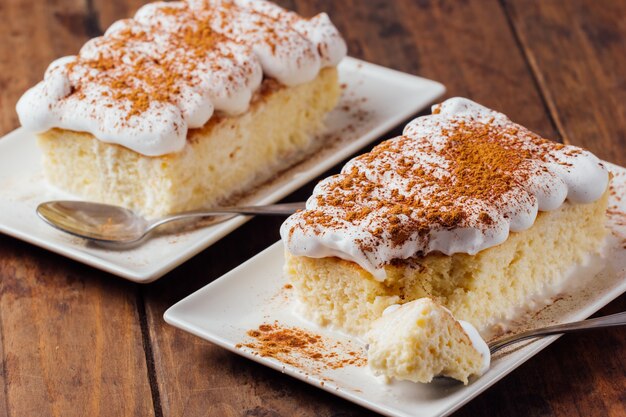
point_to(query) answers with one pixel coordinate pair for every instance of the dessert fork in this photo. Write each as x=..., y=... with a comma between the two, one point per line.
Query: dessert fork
x=618, y=319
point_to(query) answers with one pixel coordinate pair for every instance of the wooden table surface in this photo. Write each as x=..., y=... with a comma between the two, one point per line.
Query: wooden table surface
x=75, y=341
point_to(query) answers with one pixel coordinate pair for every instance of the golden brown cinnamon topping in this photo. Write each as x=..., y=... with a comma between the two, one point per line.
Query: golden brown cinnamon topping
x=140, y=64
x=455, y=181
x=485, y=162
x=291, y=345
x=166, y=52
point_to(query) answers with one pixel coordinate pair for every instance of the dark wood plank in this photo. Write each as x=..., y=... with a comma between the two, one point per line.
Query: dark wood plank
x=467, y=45
x=4, y=401
x=72, y=342
x=441, y=40
x=577, y=50
x=33, y=34
x=106, y=12
x=71, y=337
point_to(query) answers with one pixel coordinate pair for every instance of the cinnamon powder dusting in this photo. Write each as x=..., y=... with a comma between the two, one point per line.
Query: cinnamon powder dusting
x=295, y=346
x=161, y=62
x=475, y=162
x=130, y=75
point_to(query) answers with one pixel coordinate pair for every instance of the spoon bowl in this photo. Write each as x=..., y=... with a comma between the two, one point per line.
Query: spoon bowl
x=99, y=222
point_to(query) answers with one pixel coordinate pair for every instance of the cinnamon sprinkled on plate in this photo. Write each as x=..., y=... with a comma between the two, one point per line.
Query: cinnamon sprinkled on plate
x=292, y=345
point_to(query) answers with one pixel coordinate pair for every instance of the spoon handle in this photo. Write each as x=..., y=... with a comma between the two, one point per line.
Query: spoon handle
x=267, y=210
x=618, y=319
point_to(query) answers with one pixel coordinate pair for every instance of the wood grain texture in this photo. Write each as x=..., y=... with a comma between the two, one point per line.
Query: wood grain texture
x=71, y=340
x=33, y=34
x=577, y=50
x=468, y=45
x=71, y=337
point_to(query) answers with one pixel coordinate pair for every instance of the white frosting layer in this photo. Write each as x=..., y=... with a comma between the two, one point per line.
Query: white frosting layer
x=188, y=59
x=392, y=203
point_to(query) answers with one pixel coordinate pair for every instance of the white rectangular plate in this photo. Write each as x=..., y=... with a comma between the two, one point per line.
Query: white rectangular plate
x=254, y=293
x=374, y=100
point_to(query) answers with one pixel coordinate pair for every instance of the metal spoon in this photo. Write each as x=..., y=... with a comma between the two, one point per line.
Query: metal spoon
x=109, y=224
x=618, y=319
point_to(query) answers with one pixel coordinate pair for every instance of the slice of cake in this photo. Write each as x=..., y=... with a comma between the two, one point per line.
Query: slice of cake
x=187, y=104
x=466, y=207
x=419, y=340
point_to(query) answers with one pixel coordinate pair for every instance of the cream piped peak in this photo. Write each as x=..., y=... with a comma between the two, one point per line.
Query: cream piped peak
x=151, y=78
x=456, y=181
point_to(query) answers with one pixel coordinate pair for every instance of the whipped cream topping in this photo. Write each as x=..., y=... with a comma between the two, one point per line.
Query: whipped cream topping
x=151, y=78
x=457, y=181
